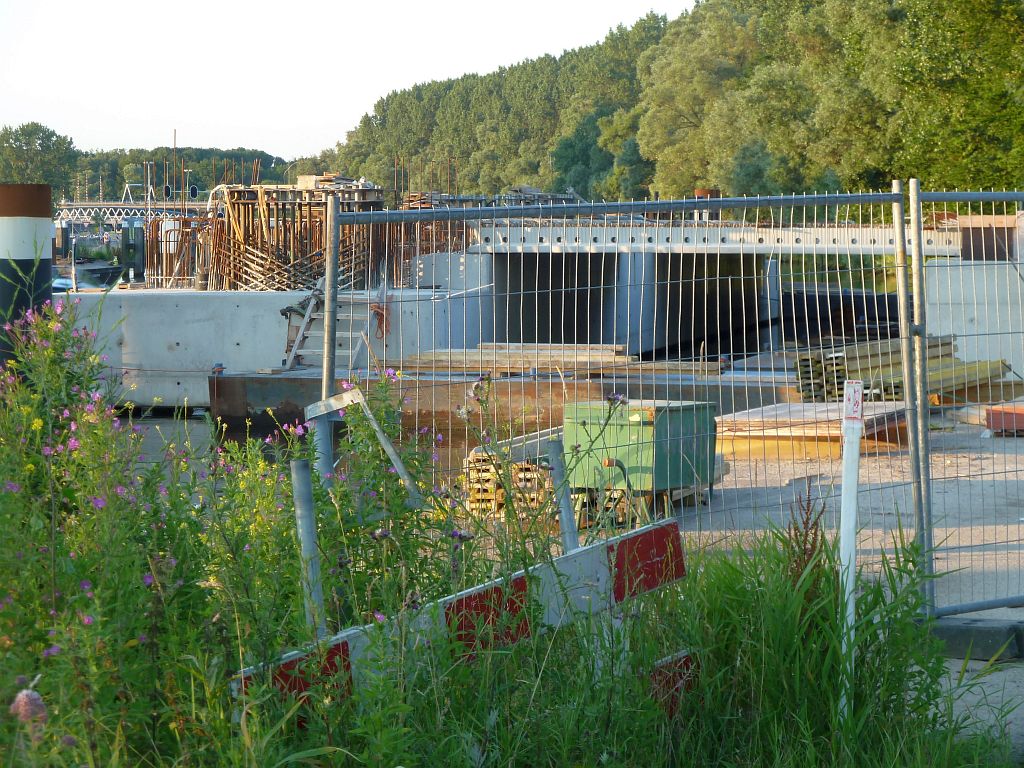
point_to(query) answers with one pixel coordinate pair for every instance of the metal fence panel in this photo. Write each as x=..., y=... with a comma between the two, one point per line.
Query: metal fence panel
x=505, y=322
x=974, y=457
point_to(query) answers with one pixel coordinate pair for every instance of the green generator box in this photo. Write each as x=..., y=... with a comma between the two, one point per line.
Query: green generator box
x=645, y=446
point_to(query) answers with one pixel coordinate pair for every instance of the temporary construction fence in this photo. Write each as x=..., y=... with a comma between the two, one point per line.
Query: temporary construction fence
x=691, y=356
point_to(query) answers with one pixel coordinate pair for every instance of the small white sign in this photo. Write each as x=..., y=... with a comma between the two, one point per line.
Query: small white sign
x=853, y=400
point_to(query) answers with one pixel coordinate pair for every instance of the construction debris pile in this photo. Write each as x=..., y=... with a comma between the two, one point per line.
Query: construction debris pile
x=821, y=374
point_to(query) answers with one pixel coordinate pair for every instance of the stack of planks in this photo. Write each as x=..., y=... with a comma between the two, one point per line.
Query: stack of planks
x=530, y=485
x=520, y=358
x=510, y=358
x=822, y=373
x=788, y=430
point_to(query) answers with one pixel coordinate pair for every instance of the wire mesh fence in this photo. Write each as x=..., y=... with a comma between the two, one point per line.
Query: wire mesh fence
x=974, y=460
x=689, y=355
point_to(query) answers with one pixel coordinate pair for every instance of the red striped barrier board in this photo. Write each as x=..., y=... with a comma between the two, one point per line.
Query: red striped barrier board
x=585, y=581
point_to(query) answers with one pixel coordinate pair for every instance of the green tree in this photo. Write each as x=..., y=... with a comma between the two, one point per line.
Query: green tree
x=35, y=154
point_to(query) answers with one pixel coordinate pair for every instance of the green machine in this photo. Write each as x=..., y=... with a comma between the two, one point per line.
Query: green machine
x=646, y=449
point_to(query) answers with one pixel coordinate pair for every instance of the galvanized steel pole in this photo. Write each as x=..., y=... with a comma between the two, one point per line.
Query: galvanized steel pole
x=921, y=375
x=305, y=523
x=560, y=477
x=911, y=404
x=331, y=246
x=323, y=433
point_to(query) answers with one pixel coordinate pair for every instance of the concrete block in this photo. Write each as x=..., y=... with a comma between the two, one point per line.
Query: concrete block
x=983, y=639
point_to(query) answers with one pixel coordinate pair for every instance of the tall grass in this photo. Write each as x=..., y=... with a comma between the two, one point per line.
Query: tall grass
x=132, y=591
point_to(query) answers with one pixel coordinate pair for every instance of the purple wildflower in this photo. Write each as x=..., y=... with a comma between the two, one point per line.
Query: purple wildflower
x=99, y=502
x=12, y=487
x=85, y=585
x=147, y=579
x=87, y=620
x=53, y=650
x=379, y=617
x=28, y=707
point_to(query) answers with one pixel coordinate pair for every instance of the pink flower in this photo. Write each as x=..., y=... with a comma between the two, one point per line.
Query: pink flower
x=87, y=620
x=73, y=444
x=47, y=450
x=28, y=707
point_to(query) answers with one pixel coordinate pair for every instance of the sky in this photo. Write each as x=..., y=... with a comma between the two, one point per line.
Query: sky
x=287, y=78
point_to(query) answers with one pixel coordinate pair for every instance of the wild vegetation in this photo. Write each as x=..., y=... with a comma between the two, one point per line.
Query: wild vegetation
x=133, y=588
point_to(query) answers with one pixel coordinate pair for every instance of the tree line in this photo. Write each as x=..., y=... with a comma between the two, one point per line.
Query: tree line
x=35, y=154
x=745, y=96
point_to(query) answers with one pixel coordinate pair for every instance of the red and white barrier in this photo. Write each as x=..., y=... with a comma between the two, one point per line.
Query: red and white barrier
x=585, y=581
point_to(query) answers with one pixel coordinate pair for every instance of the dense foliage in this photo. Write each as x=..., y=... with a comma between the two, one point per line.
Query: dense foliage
x=747, y=96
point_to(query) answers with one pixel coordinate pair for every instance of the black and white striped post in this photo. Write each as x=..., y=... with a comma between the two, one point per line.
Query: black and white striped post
x=26, y=232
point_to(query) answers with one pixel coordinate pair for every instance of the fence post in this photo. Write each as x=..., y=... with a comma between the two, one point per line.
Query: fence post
x=305, y=522
x=560, y=479
x=853, y=430
x=331, y=245
x=919, y=333
x=323, y=440
x=911, y=403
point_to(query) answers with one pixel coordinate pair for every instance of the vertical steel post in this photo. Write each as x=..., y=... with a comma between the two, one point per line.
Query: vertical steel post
x=305, y=523
x=560, y=479
x=323, y=434
x=919, y=330
x=323, y=440
x=331, y=243
x=911, y=404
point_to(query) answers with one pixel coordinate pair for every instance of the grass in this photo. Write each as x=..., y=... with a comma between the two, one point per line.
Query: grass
x=133, y=591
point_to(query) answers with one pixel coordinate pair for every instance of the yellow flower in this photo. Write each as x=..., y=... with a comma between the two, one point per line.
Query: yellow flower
x=30, y=467
x=37, y=424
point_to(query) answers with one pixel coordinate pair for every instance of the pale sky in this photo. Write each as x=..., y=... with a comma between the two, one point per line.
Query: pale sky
x=287, y=78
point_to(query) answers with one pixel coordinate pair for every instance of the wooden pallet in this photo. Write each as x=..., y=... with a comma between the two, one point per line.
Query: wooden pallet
x=531, y=487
